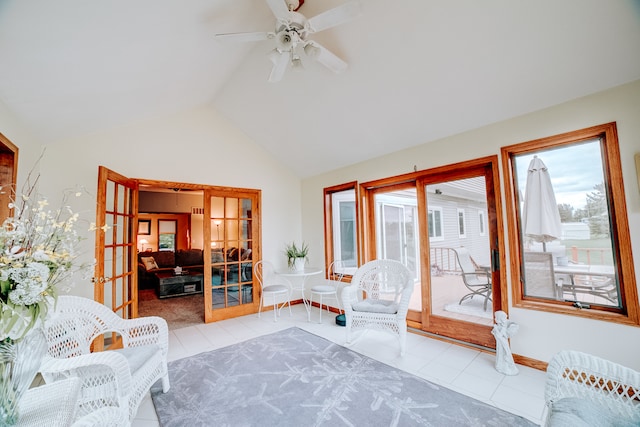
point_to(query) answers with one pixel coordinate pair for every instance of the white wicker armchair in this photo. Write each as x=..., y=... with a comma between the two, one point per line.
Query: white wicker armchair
x=110, y=379
x=582, y=389
x=378, y=298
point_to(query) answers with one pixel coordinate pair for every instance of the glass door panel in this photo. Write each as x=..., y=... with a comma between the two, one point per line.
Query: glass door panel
x=232, y=231
x=461, y=272
x=397, y=232
x=460, y=253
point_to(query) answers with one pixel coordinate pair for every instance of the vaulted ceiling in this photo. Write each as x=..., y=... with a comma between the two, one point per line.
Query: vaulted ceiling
x=419, y=70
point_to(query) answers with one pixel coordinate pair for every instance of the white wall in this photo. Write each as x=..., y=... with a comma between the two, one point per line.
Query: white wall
x=197, y=146
x=541, y=334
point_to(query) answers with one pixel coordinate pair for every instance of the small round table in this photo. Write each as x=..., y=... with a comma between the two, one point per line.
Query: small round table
x=303, y=274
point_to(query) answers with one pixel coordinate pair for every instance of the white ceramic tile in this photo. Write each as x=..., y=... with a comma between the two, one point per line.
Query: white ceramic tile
x=457, y=357
x=439, y=373
x=526, y=382
x=475, y=386
x=519, y=402
x=147, y=411
x=193, y=340
x=483, y=366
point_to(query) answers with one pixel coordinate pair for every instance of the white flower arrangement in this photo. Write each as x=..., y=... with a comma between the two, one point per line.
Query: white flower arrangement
x=38, y=255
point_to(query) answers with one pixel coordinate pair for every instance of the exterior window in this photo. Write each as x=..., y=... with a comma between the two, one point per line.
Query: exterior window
x=341, y=242
x=461, y=229
x=434, y=221
x=570, y=241
x=481, y=223
x=167, y=235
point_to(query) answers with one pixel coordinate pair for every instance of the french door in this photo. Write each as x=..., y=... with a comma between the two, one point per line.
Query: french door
x=232, y=237
x=116, y=219
x=424, y=220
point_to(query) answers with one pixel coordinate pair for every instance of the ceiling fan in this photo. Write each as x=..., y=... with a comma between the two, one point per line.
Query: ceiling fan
x=291, y=32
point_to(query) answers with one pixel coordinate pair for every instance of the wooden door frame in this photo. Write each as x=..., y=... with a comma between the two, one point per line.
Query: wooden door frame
x=8, y=174
x=207, y=191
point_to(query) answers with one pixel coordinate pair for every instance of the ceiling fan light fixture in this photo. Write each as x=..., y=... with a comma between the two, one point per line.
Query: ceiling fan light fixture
x=296, y=64
x=311, y=50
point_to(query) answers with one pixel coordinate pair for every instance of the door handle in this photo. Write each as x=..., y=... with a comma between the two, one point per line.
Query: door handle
x=495, y=260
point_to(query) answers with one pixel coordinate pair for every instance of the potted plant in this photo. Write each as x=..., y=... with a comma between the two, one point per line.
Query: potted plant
x=296, y=255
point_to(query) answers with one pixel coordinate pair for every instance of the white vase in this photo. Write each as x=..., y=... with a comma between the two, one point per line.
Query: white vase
x=298, y=264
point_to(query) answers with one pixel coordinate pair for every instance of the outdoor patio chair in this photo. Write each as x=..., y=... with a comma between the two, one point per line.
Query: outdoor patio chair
x=477, y=281
x=539, y=276
x=113, y=379
x=582, y=389
x=378, y=298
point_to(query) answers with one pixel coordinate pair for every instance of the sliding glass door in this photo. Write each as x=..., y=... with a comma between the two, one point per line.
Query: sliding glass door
x=442, y=224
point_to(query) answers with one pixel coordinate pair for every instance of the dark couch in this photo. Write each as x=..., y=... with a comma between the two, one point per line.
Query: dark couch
x=188, y=259
x=192, y=260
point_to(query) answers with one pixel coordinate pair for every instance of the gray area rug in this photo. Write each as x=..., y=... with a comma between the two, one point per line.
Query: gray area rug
x=294, y=378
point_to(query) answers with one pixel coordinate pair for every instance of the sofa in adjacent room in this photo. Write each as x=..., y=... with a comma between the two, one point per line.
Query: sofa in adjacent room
x=150, y=263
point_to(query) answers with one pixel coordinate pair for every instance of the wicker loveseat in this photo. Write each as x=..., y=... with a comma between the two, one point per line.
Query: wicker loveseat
x=585, y=390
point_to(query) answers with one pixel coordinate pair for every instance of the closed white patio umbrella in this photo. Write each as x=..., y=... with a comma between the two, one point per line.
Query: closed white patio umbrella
x=540, y=215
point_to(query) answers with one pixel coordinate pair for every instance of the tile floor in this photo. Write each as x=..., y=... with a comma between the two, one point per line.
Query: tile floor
x=458, y=368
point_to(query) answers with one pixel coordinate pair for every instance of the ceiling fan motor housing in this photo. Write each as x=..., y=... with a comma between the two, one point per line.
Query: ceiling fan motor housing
x=290, y=32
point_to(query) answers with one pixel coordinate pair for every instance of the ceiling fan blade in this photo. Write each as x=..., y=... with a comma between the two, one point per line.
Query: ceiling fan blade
x=279, y=8
x=329, y=59
x=336, y=16
x=279, y=67
x=245, y=37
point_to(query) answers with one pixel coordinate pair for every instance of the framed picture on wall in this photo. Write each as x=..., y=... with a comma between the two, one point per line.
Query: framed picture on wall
x=144, y=226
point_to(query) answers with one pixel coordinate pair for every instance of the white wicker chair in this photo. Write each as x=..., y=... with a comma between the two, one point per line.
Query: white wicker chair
x=597, y=382
x=378, y=298
x=110, y=379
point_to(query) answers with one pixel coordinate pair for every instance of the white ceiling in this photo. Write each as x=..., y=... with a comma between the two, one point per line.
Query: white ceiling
x=419, y=70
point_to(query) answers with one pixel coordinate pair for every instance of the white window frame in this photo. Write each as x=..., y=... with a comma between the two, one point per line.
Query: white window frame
x=482, y=223
x=438, y=234
x=461, y=218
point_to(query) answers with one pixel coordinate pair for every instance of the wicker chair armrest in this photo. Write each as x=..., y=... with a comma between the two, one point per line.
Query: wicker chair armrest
x=405, y=299
x=144, y=331
x=349, y=296
x=116, y=364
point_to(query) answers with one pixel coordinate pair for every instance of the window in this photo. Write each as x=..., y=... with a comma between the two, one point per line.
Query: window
x=341, y=223
x=434, y=221
x=461, y=229
x=481, y=223
x=568, y=226
x=167, y=235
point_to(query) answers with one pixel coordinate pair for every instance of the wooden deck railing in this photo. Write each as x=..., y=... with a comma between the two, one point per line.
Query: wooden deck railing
x=443, y=261
x=591, y=255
